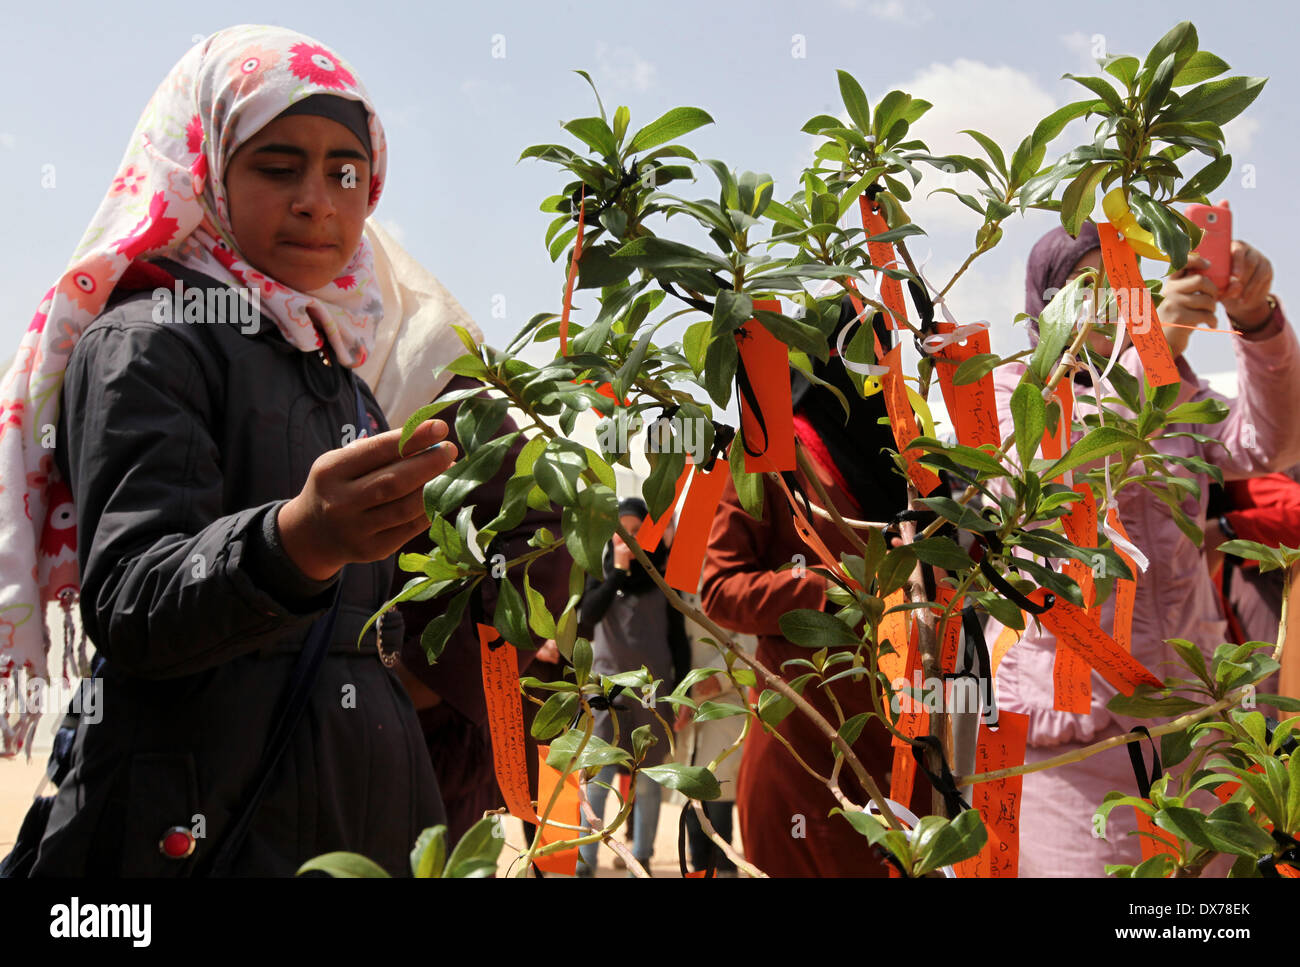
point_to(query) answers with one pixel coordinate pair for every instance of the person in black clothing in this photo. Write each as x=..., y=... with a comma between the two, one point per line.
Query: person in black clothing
x=631, y=624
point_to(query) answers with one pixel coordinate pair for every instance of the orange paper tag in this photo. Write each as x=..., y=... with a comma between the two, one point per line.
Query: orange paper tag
x=1074, y=628
x=952, y=630
x=1125, y=590
x=1057, y=440
x=882, y=254
x=1007, y=637
x=767, y=362
x=972, y=406
x=1143, y=323
x=1071, y=682
x=913, y=718
x=902, y=420
x=1071, y=674
x=573, y=275
x=893, y=628
x=902, y=775
x=652, y=532
x=565, y=810
x=506, y=722
x=686, y=559
x=810, y=536
x=1153, y=847
x=998, y=802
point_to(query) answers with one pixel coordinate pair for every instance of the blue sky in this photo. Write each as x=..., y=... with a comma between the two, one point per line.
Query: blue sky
x=457, y=117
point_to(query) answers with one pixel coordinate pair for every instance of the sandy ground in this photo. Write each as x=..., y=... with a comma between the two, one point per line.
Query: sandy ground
x=19, y=779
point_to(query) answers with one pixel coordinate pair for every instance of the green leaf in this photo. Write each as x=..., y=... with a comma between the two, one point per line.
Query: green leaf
x=1056, y=326
x=1207, y=410
x=693, y=782
x=558, y=468
x=816, y=629
x=1123, y=68
x=894, y=570
x=478, y=420
x=975, y=368
x=430, y=410
x=595, y=133
x=888, y=111
x=582, y=658
x=855, y=101
x=475, y=856
x=1181, y=39
x=773, y=707
x=1163, y=224
x=1080, y=197
x=1029, y=413
x=1235, y=830
x=656, y=254
x=852, y=728
x=344, y=866
x=942, y=552
x=749, y=486
x=1052, y=125
x=434, y=637
x=511, y=616
x=1218, y=101
x=555, y=715
x=642, y=738
x=1161, y=82
x=1096, y=444
x=1207, y=179
x=1201, y=66
x=1143, y=704
x=660, y=487
x=588, y=525
x=951, y=842
x=621, y=118
x=1102, y=88
x=597, y=752
x=430, y=853
x=674, y=124
x=444, y=493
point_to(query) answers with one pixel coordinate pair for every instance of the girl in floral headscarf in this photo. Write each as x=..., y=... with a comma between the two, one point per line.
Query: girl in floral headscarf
x=253, y=167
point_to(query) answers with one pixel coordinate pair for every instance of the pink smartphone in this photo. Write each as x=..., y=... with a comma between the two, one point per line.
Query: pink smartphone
x=1216, y=244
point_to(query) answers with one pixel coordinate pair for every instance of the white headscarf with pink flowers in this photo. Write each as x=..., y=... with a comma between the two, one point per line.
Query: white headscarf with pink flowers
x=168, y=199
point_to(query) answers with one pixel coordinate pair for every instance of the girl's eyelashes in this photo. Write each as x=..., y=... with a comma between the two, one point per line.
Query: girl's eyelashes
x=341, y=176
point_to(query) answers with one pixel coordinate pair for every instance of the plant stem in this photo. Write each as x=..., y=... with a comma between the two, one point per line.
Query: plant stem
x=731, y=854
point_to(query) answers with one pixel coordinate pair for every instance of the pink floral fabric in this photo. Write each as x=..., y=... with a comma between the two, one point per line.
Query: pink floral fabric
x=166, y=199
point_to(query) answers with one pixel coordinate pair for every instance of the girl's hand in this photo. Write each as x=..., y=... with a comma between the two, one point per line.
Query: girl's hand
x=1189, y=300
x=1246, y=297
x=364, y=501
x=622, y=554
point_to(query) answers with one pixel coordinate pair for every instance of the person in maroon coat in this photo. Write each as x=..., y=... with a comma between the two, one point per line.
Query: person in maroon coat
x=784, y=812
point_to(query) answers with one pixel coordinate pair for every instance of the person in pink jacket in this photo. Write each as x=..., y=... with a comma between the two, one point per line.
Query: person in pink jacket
x=1175, y=596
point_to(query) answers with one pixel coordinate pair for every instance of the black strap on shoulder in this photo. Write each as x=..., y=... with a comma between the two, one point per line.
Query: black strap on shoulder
x=292, y=706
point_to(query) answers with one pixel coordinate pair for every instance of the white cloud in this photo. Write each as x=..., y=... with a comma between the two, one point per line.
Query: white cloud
x=1000, y=101
x=895, y=11
x=1085, y=48
x=623, y=68
x=7, y=140
x=1240, y=134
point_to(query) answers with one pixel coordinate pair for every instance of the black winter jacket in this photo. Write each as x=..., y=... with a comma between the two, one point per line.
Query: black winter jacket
x=180, y=443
